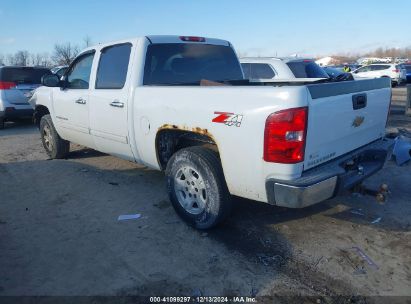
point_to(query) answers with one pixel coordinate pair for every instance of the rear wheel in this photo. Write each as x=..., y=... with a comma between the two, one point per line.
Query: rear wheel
x=55, y=146
x=197, y=188
x=1, y=123
x=394, y=84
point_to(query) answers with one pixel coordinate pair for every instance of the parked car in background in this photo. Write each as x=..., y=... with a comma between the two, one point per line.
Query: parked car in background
x=407, y=68
x=393, y=71
x=59, y=70
x=16, y=88
x=337, y=74
x=282, y=69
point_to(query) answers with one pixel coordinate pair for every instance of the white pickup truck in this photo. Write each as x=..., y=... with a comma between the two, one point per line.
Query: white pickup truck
x=180, y=104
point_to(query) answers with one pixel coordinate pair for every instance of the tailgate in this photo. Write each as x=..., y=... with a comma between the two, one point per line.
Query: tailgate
x=345, y=116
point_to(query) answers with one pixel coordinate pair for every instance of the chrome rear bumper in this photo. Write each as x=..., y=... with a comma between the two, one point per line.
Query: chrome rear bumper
x=330, y=179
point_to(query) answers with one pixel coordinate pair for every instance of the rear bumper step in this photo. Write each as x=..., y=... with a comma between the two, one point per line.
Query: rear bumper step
x=330, y=179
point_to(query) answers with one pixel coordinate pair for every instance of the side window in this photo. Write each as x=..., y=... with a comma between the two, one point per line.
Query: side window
x=78, y=76
x=246, y=70
x=380, y=67
x=113, y=66
x=364, y=69
x=261, y=71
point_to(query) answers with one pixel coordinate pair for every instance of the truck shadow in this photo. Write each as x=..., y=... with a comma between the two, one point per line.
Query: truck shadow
x=80, y=153
x=81, y=207
x=360, y=210
x=90, y=197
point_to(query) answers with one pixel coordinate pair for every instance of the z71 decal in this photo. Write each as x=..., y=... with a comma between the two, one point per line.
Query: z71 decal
x=229, y=119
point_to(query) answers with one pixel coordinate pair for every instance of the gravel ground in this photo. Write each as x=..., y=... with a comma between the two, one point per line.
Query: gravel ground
x=59, y=233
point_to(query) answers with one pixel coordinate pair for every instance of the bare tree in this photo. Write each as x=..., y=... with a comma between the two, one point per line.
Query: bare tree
x=21, y=58
x=87, y=41
x=65, y=53
x=40, y=59
x=35, y=59
x=46, y=60
x=10, y=59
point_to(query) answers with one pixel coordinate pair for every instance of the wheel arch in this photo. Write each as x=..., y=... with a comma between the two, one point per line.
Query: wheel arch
x=39, y=112
x=171, y=138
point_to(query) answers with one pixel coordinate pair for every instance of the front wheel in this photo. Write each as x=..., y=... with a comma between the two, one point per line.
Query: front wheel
x=197, y=188
x=55, y=146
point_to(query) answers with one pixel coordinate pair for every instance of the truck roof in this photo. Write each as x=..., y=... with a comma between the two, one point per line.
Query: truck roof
x=179, y=39
x=162, y=39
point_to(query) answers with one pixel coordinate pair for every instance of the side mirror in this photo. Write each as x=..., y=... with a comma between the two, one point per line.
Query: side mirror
x=50, y=80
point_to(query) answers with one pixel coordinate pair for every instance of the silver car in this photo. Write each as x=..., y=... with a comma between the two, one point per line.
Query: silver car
x=293, y=69
x=16, y=87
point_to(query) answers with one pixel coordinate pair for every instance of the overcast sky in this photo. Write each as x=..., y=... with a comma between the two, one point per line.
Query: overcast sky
x=254, y=27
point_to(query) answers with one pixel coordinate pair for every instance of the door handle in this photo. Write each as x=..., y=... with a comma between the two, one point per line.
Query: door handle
x=80, y=101
x=117, y=104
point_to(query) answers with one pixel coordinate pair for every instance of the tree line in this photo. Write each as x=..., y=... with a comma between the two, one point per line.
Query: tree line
x=62, y=54
x=391, y=52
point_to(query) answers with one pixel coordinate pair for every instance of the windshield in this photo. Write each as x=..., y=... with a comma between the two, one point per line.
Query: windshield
x=306, y=69
x=23, y=75
x=189, y=63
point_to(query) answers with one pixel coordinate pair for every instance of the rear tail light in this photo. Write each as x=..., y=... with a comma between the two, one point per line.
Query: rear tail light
x=396, y=71
x=284, y=136
x=192, y=38
x=7, y=85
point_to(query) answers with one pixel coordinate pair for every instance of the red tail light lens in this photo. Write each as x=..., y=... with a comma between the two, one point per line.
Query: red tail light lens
x=7, y=85
x=284, y=136
x=396, y=71
x=192, y=38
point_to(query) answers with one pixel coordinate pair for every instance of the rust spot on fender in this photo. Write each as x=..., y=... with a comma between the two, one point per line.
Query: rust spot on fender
x=197, y=130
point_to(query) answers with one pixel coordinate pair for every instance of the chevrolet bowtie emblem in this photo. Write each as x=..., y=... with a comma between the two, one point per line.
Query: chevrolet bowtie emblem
x=358, y=121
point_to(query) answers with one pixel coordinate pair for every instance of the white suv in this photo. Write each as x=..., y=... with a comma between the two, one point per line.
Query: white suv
x=393, y=71
x=281, y=69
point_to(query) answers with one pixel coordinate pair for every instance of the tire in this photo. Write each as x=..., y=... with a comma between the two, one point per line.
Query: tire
x=55, y=146
x=394, y=84
x=1, y=123
x=196, y=187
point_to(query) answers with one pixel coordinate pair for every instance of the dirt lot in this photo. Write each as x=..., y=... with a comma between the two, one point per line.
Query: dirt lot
x=59, y=233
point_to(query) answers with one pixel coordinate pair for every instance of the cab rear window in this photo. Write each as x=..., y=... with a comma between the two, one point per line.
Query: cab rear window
x=189, y=63
x=23, y=74
x=306, y=69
